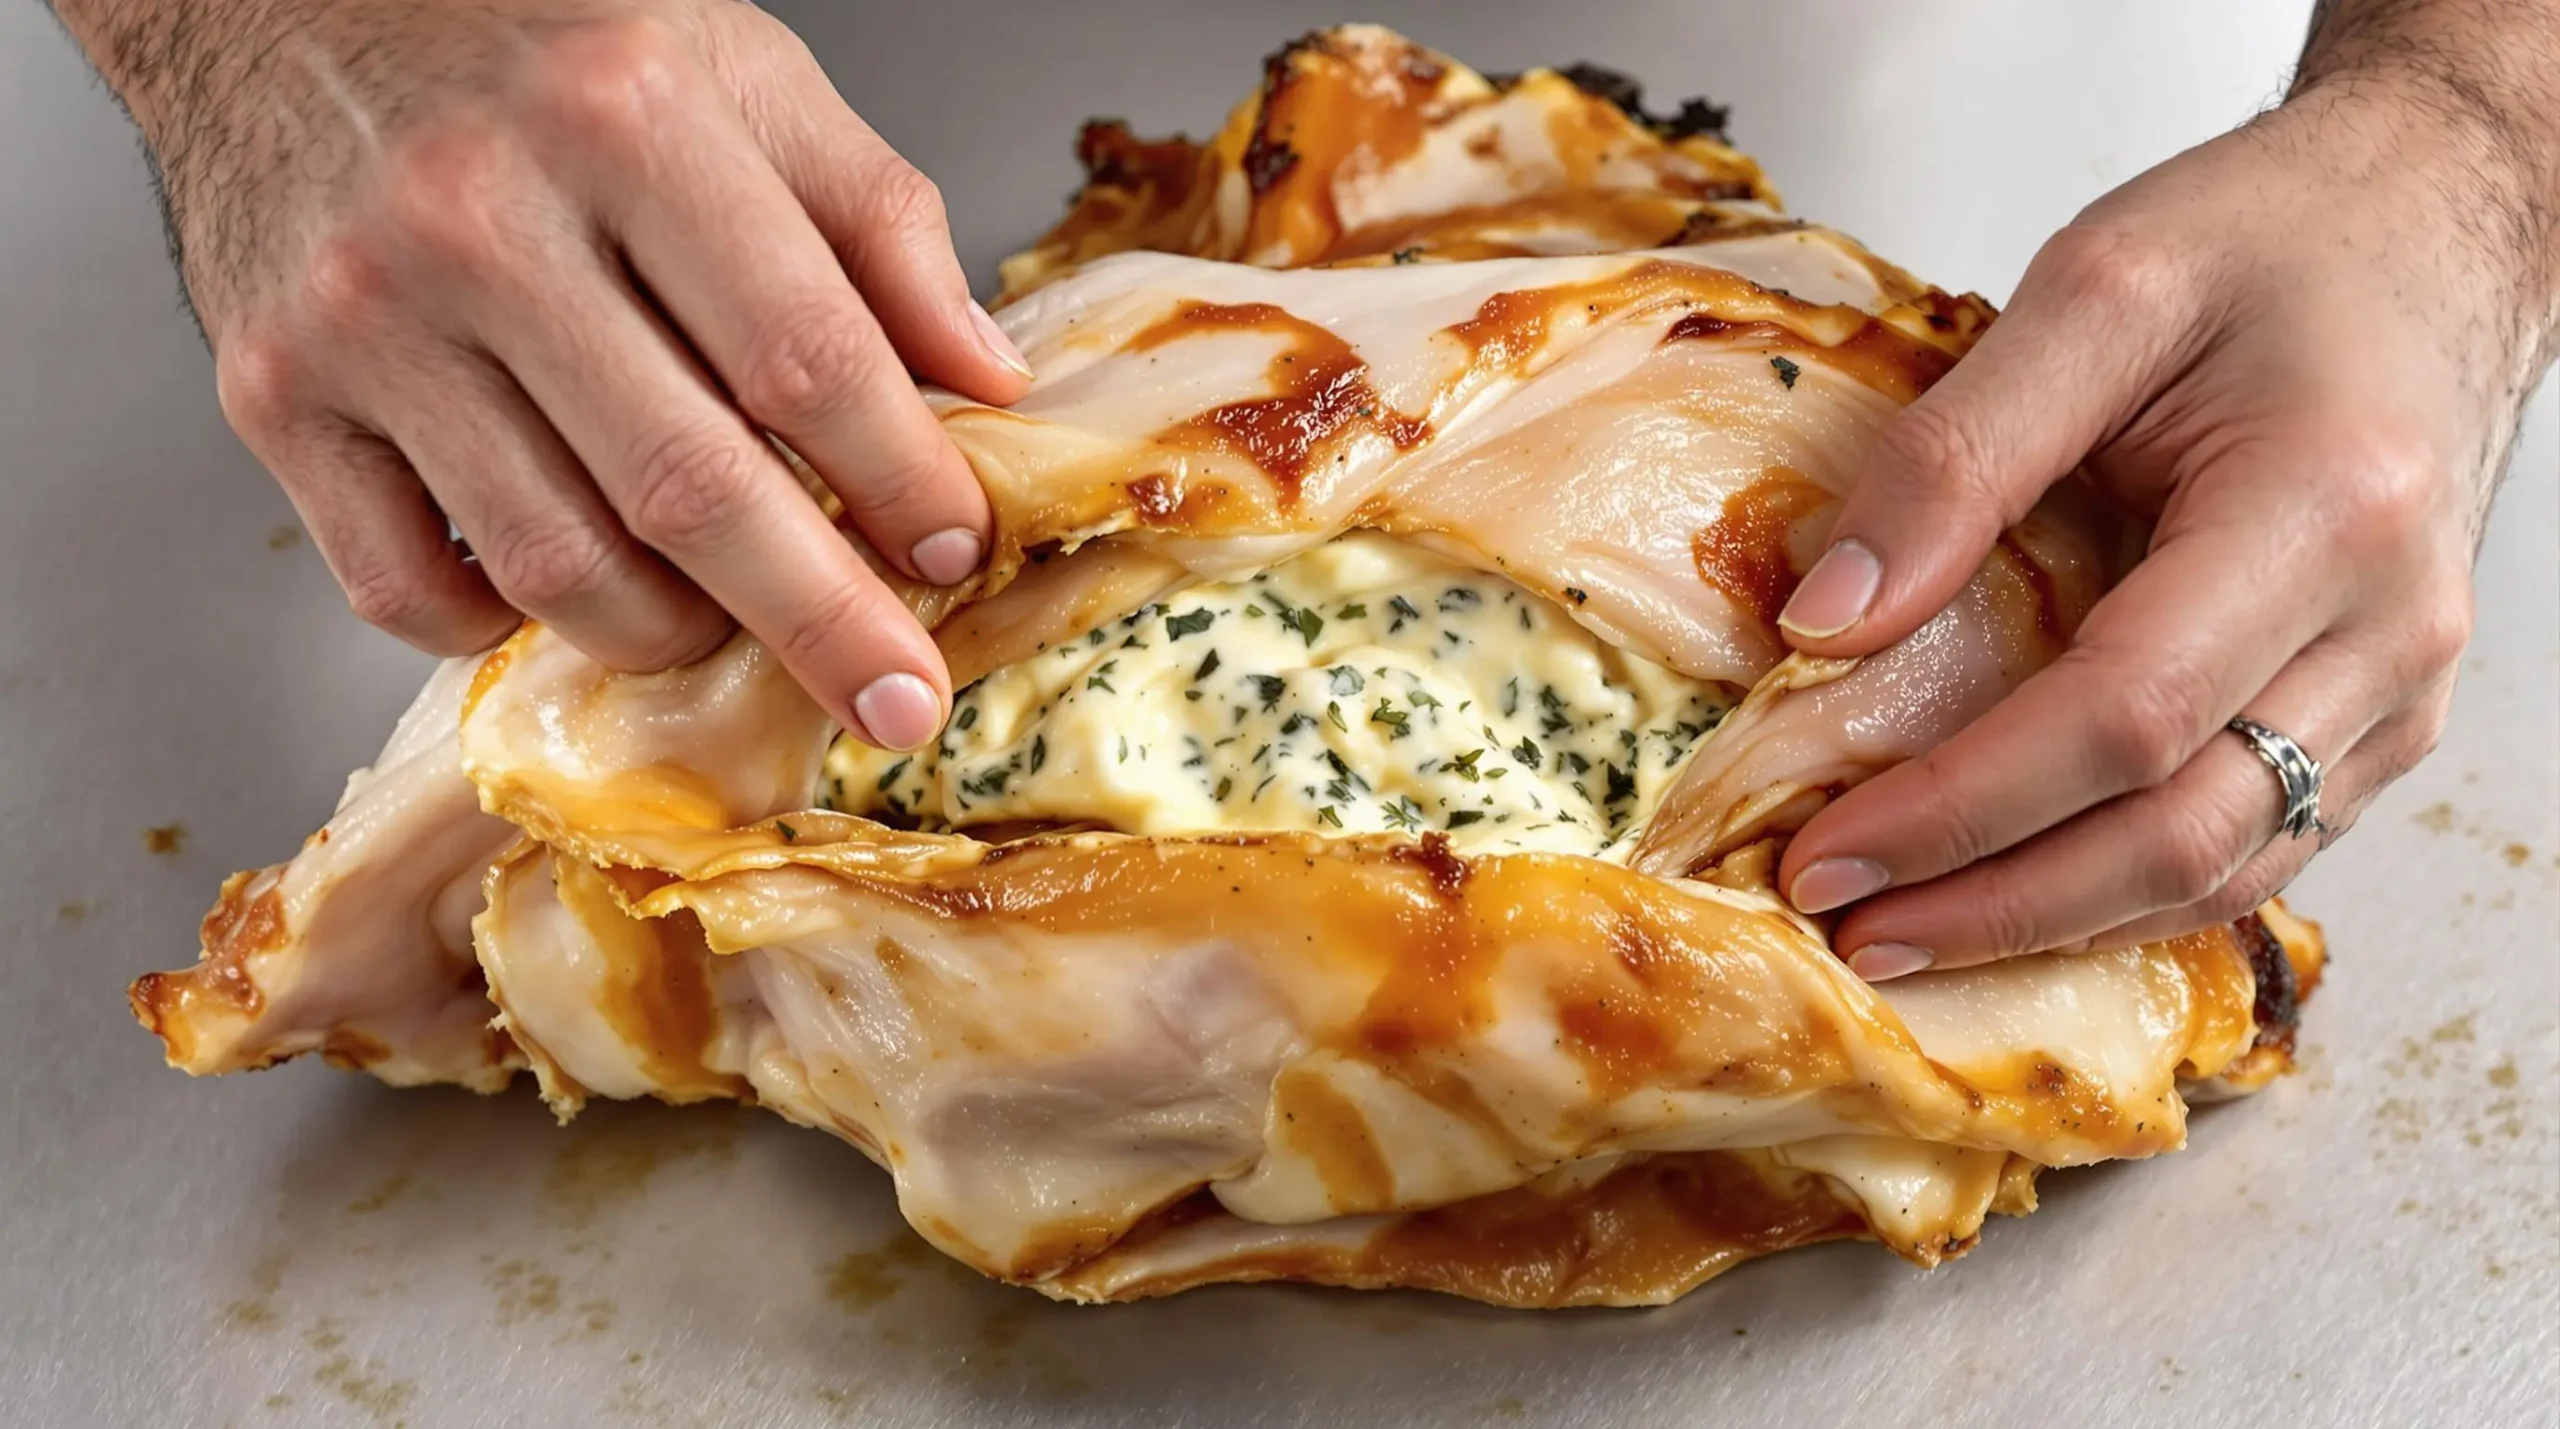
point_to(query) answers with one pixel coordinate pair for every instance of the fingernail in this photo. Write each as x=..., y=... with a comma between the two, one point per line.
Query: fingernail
x=1833, y=881
x=948, y=557
x=999, y=346
x=1883, y=962
x=898, y=711
x=1835, y=594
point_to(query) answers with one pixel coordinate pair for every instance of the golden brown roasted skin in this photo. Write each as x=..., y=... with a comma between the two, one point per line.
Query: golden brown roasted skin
x=1515, y=323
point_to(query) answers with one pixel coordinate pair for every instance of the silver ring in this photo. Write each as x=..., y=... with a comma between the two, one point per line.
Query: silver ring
x=2296, y=771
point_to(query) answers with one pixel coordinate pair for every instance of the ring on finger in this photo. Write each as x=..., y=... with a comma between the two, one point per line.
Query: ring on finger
x=2298, y=775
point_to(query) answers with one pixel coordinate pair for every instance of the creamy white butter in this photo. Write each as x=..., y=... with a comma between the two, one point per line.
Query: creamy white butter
x=1364, y=686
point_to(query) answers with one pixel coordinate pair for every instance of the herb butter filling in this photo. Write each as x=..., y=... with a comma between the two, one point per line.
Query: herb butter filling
x=1365, y=686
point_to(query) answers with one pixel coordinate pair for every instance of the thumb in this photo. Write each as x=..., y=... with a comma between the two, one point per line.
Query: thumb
x=2087, y=340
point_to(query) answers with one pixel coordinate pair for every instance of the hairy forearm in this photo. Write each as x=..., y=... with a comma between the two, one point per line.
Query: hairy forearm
x=151, y=52
x=2486, y=73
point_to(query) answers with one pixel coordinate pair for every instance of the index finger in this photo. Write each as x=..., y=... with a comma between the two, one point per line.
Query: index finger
x=691, y=479
x=723, y=244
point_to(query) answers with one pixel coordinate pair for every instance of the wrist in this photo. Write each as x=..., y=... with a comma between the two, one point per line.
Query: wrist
x=2482, y=149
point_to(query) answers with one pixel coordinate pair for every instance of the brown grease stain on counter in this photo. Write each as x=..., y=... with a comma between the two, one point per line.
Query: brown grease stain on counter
x=863, y=1280
x=610, y=1159
x=1745, y=551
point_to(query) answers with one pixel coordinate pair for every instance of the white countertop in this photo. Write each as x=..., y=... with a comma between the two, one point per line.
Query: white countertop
x=2376, y=1241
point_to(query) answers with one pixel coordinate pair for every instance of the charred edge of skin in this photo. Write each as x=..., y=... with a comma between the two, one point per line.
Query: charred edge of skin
x=1709, y=223
x=2278, y=1008
x=1695, y=115
x=1268, y=158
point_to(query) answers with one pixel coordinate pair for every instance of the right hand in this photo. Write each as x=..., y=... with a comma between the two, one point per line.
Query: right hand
x=551, y=269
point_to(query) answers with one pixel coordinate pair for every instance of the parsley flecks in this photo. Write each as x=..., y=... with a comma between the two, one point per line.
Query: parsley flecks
x=1393, y=718
x=1401, y=812
x=890, y=776
x=1404, y=610
x=1553, y=720
x=1576, y=594
x=1270, y=688
x=1622, y=784
x=1786, y=371
x=1191, y=623
x=1039, y=751
x=1526, y=753
x=1510, y=697
x=1464, y=766
x=1305, y=621
x=1333, y=712
x=1460, y=818
x=1457, y=598
x=1347, y=681
x=1326, y=815
x=789, y=834
x=968, y=718
x=1405, y=255
x=1207, y=668
x=1354, y=611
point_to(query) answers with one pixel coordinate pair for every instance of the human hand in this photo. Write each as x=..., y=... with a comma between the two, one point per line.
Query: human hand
x=2301, y=350
x=551, y=268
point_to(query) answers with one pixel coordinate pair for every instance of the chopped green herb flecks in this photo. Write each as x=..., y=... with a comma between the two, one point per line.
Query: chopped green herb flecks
x=1356, y=710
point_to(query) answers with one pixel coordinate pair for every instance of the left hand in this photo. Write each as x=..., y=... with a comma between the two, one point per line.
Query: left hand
x=2302, y=349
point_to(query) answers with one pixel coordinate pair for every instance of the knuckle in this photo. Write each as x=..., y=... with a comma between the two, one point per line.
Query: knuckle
x=540, y=564
x=691, y=486
x=1939, y=808
x=2149, y=725
x=256, y=378
x=1943, y=453
x=2243, y=894
x=906, y=203
x=2192, y=856
x=386, y=596
x=2442, y=630
x=612, y=80
x=2009, y=921
x=680, y=640
x=2385, y=498
x=344, y=285
x=805, y=641
x=2109, y=268
x=806, y=367
x=446, y=194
